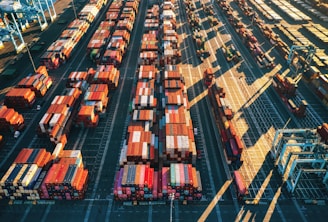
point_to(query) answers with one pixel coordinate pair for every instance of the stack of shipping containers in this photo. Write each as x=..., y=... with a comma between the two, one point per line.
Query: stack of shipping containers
x=19, y=98
x=61, y=49
x=57, y=120
x=20, y=179
x=25, y=92
x=37, y=174
x=66, y=178
x=10, y=120
x=159, y=151
x=99, y=39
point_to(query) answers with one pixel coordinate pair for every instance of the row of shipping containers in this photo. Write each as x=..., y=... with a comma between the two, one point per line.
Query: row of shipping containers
x=56, y=122
x=262, y=58
x=38, y=174
x=159, y=152
x=86, y=96
x=140, y=182
x=22, y=96
x=232, y=143
x=109, y=43
x=61, y=49
x=10, y=120
x=28, y=89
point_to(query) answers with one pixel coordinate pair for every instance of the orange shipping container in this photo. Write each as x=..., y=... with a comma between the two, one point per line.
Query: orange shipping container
x=61, y=174
x=40, y=157
x=51, y=174
x=83, y=181
x=42, y=70
x=46, y=159
x=78, y=176
x=20, y=156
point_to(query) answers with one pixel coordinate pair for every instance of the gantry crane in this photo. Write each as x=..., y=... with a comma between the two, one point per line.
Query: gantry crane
x=305, y=62
x=302, y=160
x=17, y=15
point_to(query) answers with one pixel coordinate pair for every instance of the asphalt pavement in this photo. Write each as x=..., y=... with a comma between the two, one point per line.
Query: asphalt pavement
x=258, y=113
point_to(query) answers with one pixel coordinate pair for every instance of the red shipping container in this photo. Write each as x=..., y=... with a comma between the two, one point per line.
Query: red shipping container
x=240, y=144
x=240, y=183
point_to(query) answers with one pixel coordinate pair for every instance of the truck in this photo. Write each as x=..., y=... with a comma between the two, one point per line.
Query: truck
x=231, y=53
x=213, y=20
x=241, y=188
x=208, y=77
x=286, y=88
x=231, y=142
x=201, y=49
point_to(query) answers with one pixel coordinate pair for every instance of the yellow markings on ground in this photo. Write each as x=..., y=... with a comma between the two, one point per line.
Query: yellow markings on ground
x=198, y=98
x=263, y=187
x=214, y=201
x=272, y=206
x=245, y=215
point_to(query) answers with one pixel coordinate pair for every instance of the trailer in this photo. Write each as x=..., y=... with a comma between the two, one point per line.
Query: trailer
x=241, y=188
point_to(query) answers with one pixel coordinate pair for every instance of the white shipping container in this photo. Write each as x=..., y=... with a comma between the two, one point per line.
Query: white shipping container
x=147, y=126
x=54, y=101
x=135, y=115
x=177, y=174
x=58, y=148
x=123, y=154
x=54, y=120
x=76, y=154
x=60, y=100
x=143, y=101
x=151, y=100
x=179, y=100
x=29, y=176
x=170, y=142
x=136, y=135
x=144, y=150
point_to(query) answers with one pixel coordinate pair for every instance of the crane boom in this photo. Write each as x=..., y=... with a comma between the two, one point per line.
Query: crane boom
x=310, y=52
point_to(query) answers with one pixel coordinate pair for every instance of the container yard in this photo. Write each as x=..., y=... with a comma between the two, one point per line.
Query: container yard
x=182, y=110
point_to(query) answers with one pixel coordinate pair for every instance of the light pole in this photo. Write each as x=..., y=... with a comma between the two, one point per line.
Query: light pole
x=30, y=56
x=171, y=208
x=74, y=9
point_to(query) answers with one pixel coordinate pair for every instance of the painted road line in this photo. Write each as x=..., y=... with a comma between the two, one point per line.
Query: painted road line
x=26, y=213
x=263, y=187
x=109, y=208
x=49, y=95
x=87, y=216
x=78, y=143
x=202, y=138
x=150, y=213
x=274, y=205
x=45, y=215
x=176, y=210
x=214, y=201
x=299, y=210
